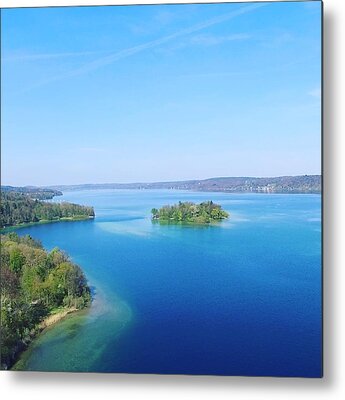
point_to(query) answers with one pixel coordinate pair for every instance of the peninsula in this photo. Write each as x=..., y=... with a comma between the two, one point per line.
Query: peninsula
x=38, y=288
x=191, y=213
x=22, y=206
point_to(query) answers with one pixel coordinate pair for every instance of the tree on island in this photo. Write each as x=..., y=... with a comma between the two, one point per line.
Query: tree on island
x=188, y=212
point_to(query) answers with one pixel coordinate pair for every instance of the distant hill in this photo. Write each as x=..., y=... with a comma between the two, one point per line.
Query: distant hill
x=32, y=192
x=281, y=184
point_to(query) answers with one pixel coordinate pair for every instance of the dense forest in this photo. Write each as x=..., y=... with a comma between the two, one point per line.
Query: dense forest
x=20, y=208
x=188, y=212
x=34, y=284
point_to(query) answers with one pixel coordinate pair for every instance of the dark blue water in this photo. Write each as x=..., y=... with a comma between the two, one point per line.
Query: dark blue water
x=239, y=298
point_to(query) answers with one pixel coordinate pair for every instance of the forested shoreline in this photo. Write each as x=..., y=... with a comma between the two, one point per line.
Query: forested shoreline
x=35, y=284
x=33, y=192
x=18, y=208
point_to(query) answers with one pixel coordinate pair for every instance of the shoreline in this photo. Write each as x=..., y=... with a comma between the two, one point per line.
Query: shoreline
x=50, y=320
x=315, y=192
x=54, y=314
x=53, y=318
x=6, y=229
x=187, y=223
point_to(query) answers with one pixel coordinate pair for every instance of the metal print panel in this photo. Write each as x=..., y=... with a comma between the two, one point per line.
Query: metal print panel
x=161, y=189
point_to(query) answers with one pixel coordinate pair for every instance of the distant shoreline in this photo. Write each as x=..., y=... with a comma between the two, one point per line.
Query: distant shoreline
x=298, y=184
x=301, y=184
x=68, y=190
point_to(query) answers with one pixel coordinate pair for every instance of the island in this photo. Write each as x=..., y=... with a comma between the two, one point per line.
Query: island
x=190, y=213
x=22, y=206
x=38, y=288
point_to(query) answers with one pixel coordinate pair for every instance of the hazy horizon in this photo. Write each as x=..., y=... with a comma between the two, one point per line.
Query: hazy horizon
x=163, y=181
x=150, y=93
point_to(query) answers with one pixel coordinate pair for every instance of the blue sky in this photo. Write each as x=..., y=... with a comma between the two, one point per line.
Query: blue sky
x=158, y=93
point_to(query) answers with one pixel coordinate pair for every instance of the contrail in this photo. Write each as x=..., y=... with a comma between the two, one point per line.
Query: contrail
x=100, y=62
x=48, y=56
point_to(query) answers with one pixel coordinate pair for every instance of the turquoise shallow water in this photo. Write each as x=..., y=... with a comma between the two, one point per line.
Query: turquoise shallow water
x=239, y=298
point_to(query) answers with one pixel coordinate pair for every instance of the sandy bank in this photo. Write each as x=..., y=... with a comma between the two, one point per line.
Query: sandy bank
x=54, y=318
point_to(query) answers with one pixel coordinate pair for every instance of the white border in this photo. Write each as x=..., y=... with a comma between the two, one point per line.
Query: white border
x=52, y=386
x=45, y=3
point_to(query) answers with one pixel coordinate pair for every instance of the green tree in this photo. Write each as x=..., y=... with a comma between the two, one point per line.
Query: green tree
x=16, y=260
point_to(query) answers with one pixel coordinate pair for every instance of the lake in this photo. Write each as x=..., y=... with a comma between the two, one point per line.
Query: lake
x=242, y=297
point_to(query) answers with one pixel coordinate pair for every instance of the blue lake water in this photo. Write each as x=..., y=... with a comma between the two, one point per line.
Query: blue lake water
x=239, y=298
